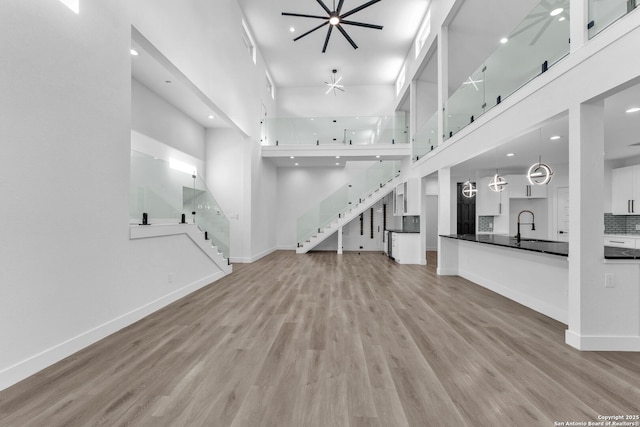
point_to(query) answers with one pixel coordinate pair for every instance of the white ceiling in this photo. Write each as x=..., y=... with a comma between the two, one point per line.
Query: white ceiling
x=377, y=60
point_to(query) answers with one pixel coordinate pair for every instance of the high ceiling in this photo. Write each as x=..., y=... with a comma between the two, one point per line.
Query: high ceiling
x=377, y=60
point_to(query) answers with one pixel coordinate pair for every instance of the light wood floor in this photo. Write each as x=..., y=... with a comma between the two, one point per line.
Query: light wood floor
x=328, y=340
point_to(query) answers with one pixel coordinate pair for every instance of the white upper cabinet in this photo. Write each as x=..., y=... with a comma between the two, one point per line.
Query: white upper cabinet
x=625, y=191
x=520, y=188
x=489, y=203
x=407, y=198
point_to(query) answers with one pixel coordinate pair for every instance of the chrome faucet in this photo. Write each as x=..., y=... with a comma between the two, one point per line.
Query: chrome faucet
x=532, y=223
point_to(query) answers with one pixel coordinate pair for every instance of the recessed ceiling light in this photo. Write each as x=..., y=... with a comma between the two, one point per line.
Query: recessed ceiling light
x=134, y=52
x=510, y=155
x=377, y=157
x=337, y=164
x=554, y=137
x=557, y=11
x=292, y=29
x=633, y=110
x=504, y=40
x=337, y=157
x=311, y=118
x=210, y=116
x=292, y=157
x=297, y=164
x=562, y=18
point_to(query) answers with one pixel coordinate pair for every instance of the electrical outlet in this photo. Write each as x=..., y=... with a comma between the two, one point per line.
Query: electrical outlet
x=609, y=280
x=170, y=278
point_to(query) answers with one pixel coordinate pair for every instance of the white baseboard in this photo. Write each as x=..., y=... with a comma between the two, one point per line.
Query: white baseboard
x=253, y=258
x=602, y=343
x=446, y=272
x=21, y=370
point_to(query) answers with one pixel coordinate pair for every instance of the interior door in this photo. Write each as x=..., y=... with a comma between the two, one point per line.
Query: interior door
x=562, y=214
x=466, y=212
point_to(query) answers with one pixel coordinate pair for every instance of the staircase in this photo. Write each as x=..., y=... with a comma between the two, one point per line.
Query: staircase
x=342, y=218
x=190, y=230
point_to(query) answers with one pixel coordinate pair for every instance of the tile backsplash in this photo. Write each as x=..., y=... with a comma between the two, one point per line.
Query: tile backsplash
x=621, y=224
x=485, y=224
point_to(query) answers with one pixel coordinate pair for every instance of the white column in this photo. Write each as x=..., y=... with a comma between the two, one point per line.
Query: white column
x=443, y=77
x=586, y=210
x=444, y=211
x=339, y=240
x=578, y=23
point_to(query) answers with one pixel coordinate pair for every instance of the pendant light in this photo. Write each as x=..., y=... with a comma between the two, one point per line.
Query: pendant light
x=539, y=173
x=469, y=189
x=498, y=183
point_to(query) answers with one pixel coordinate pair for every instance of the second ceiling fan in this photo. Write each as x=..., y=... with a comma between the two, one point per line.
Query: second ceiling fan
x=335, y=18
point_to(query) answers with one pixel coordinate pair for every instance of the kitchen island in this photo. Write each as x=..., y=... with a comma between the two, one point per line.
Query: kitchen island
x=534, y=273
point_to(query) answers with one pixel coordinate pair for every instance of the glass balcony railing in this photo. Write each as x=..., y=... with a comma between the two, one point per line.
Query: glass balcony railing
x=346, y=197
x=426, y=138
x=604, y=13
x=164, y=194
x=337, y=130
x=537, y=43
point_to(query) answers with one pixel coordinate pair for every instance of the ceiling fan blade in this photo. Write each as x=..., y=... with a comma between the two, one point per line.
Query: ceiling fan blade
x=541, y=32
x=362, y=24
x=302, y=15
x=526, y=27
x=346, y=36
x=339, y=7
x=326, y=40
x=324, y=6
x=310, y=31
x=358, y=9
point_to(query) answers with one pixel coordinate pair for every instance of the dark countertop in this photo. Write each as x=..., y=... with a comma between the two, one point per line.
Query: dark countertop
x=401, y=231
x=543, y=246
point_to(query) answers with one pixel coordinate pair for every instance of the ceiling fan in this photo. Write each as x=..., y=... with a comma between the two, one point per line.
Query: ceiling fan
x=547, y=14
x=335, y=18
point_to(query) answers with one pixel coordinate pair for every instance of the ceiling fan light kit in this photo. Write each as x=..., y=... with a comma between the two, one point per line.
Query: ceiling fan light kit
x=335, y=19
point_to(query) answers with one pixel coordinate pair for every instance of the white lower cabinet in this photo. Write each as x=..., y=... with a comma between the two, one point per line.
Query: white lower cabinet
x=621, y=242
x=405, y=248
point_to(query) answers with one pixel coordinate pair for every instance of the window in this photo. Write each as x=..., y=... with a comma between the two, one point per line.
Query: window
x=400, y=81
x=248, y=42
x=72, y=4
x=270, y=88
x=423, y=33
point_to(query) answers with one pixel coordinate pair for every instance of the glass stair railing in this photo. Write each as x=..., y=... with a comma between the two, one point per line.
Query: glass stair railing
x=426, y=138
x=538, y=42
x=336, y=130
x=604, y=13
x=344, y=199
x=166, y=194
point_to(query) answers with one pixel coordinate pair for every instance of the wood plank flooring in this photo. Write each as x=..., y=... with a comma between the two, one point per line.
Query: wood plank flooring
x=328, y=340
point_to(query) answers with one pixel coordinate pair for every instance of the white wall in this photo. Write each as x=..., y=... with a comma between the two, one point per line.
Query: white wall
x=311, y=101
x=432, y=222
x=227, y=165
x=300, y=189
x=203, y=39
x=151, y=115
